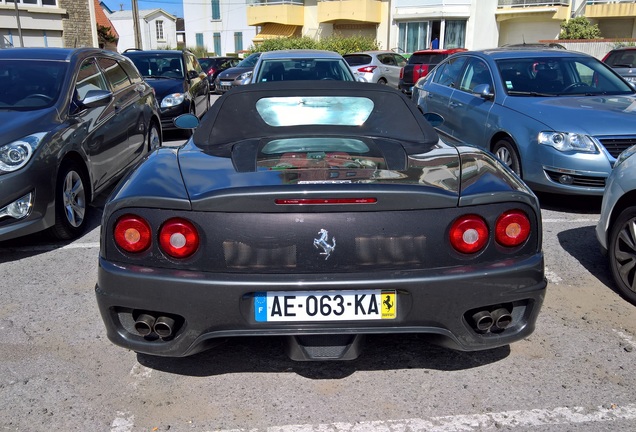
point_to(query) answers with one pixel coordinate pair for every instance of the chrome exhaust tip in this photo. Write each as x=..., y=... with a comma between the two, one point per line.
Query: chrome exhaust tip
x=164, y=326
x=483, y=321
x=144, y=324
x=501, y=318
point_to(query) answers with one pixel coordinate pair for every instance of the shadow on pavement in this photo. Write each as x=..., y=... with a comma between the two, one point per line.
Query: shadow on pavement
x=570, y=203
x=266, y=354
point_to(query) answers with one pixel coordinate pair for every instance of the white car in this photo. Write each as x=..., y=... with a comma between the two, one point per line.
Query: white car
x=616, y=229
x=301, y=65
x=382, y=67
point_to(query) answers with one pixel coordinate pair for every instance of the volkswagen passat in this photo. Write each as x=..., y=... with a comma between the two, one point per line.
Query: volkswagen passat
x=558, y=118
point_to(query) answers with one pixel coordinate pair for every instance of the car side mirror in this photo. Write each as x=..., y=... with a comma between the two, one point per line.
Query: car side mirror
x=434, y=119
x=96, y=98
x=484, y=91
x=186, y=121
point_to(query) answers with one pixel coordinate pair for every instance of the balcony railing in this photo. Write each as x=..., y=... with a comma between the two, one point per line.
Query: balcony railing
x=532, y=3
x=275, y=2
x=594, y=2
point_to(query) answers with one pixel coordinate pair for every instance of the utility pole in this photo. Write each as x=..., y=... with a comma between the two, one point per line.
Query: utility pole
x=135, y=13
x=17, y=17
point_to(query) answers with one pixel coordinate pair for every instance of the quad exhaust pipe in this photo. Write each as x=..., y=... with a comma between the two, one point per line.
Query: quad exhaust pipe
x=162, y=326
x=144, y=324
x=497, y=320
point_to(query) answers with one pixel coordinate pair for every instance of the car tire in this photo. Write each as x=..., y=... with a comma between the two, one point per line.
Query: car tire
x=622, y=253
x=382, y=81
x=506, y=152
x=154, y=136
x=71, y=202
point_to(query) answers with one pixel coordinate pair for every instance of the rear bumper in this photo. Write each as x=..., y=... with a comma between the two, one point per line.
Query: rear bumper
x=205, y=306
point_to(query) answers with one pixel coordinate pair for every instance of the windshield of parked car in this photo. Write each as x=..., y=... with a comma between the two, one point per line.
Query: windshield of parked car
x=249, y=61
x=27, y=85
x=303, y=70
x=426, y=58
x=159, y=65
x=622, y=58
x=559, y=76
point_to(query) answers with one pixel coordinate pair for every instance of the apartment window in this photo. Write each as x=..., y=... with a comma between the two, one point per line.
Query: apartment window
x=216, y=9
x=455, y=34
x=159, y=25
x=199, y=40
x=217, y=43
x=412, y=36
x=238, y=41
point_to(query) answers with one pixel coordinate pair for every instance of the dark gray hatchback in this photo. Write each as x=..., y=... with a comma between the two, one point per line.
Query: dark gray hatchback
x=72, y=121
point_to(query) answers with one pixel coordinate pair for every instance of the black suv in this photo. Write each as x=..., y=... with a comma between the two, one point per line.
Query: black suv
x=180, y=84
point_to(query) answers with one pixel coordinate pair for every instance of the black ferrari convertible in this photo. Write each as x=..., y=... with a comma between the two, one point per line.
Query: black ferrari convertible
x=327, y=213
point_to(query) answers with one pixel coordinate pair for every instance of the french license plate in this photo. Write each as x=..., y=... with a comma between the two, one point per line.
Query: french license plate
x=291, y=306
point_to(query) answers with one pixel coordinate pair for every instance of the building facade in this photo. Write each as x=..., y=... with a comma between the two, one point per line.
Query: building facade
x=158, y=29
x=219, y=27
x=48, y=23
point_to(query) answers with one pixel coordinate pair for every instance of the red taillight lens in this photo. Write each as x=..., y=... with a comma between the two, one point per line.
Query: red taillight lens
x=367, y=69
x=132, y=233
x=211, y=71
x=512, y=228
x=469, y=234
x=178, y=238
x=401, y=73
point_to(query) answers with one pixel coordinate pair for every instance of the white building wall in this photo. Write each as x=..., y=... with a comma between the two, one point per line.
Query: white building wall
x=123, y=23
x=481, y=29
x=197, y=17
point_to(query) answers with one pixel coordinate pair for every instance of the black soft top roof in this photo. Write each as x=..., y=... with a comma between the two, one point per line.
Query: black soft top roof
x=234, y=116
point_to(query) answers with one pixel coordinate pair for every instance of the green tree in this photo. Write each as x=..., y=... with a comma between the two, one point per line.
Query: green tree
x=579, y=28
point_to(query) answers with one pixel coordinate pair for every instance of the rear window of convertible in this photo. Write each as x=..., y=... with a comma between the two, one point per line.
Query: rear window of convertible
x=314, y=110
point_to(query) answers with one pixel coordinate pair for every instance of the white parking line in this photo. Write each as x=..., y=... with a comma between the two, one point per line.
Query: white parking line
x=474, y=422
x=139, y=373
x=124, y=422
x=585, y=220
x=552, y=277
x=627, y=338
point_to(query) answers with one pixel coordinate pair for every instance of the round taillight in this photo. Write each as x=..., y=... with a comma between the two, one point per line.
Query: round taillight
x=132, y=233
x=178, y=238
x=469, y=234
x=512, y=228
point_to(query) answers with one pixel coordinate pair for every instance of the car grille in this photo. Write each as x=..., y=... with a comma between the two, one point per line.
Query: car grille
x=578, y=180
x=615, y=145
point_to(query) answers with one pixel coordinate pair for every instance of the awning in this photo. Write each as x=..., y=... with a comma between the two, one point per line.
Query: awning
x=273, y=31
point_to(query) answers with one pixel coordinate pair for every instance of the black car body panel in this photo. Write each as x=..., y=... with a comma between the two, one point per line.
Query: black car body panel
x=391, y=223
x=102, y=139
